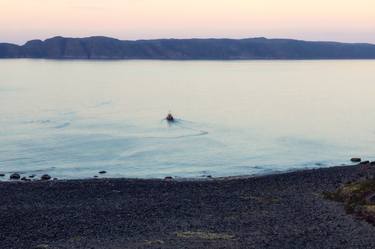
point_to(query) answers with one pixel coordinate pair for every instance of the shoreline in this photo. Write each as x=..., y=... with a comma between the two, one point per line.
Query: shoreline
x=269, y=211
x=5, y=176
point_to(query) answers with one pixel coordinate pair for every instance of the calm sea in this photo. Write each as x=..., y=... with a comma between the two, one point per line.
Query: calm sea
x=72, y=119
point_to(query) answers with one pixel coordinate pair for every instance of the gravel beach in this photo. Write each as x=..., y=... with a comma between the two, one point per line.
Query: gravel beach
x=275, y=211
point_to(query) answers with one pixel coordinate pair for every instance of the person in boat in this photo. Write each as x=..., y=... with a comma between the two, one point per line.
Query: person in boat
x=170, y=118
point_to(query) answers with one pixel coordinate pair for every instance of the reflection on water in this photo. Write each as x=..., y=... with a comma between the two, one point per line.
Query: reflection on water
x=74, y=118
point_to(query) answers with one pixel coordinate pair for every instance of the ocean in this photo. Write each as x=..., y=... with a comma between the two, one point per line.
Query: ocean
x=74, y=118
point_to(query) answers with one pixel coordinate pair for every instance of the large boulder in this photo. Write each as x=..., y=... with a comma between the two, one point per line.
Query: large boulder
x=45, y=177
x=356, y=159
x=15, y=176
x=168, y=178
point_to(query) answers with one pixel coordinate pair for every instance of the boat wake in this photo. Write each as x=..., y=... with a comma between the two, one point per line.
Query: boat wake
x=183, y=125
x=198, y=132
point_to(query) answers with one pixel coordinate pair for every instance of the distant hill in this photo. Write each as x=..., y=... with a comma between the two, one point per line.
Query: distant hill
x=184, y=49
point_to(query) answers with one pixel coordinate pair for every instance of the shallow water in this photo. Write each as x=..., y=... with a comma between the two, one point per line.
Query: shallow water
x=72, y=119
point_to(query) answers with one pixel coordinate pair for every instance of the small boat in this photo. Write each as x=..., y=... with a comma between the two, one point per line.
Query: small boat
x=170, y=118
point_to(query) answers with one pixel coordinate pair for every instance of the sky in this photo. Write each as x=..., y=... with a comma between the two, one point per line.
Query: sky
x=329, y=20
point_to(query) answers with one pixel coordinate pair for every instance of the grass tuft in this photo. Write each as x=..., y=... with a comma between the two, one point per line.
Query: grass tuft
x=355, y=196
x=204, y=235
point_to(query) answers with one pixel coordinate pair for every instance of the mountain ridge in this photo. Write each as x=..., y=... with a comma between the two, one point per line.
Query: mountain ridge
x=102, y=47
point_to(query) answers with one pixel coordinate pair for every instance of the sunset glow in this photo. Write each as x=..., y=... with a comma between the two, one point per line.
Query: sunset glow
x=341, y=20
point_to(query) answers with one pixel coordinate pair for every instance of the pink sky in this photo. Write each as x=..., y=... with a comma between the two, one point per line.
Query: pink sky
x=340, y=20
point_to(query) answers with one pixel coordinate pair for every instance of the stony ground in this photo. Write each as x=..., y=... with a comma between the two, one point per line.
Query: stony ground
x=278, y=211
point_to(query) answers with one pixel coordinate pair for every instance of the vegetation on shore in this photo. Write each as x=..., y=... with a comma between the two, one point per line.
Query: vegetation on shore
x=358, y=197
x=204, y=235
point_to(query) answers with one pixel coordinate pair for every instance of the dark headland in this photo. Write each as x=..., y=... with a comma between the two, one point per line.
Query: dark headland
x=185, y=49
x=284, y=211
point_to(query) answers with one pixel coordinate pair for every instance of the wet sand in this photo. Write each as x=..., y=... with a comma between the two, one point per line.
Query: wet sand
x=276, y=211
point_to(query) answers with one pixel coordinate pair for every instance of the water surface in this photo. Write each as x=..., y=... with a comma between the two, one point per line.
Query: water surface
x=72, y=119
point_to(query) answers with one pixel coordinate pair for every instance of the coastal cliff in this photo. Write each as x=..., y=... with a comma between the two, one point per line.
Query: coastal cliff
x=185, y=49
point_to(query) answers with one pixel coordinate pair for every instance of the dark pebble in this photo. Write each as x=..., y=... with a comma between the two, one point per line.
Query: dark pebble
x=356, y=159
x=31, y=176
x=45, y=177
x=168, y=178
x=371, y=199
x=102, y=172
x=15, y=176
x=2, y=175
